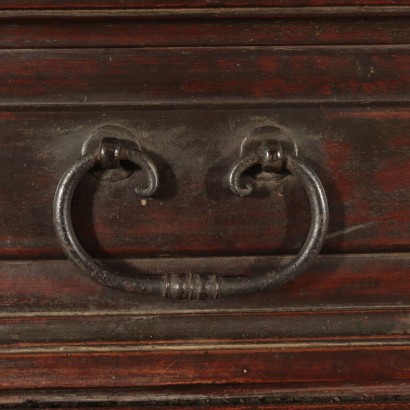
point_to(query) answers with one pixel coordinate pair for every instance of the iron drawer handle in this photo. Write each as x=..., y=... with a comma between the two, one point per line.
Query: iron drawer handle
x=186, y=285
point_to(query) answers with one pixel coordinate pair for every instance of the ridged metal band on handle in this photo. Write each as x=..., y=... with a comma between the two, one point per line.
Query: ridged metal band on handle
x=185, y=285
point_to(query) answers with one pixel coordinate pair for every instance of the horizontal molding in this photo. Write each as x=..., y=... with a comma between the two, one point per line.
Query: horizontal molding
x=353, y=365
x=402, y=9
x=118, y=29
x=348, y=397
x=218, y=346
x=205, y=104
x=165, y=331
x=329, y=308
x=314, y=345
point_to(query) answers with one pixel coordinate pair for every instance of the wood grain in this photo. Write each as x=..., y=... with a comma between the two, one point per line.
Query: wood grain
x=362, y=156
x=192, y=79
x=363, y=406
x=355, y=282
x=31, y=4
x=205, y=75
x=308, y=406
x=340, y=322
x=303, y=406
x=210, y=364
x=108, y=31
x=230, y=396
x=203, y=328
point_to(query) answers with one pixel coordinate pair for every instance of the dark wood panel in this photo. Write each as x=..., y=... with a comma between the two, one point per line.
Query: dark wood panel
x=301, y=406
x=342, y=327
x=229, y=396
x=107, y=31
x=23, y=4
x=240, y=364
x=227, y=406
x=362, y=156
x=201, y=75
x=334, y=283
x=210, y=12
x=205, y=327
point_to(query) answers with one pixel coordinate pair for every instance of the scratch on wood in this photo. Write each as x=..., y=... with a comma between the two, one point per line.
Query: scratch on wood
x=168, y=367
x=349, y=229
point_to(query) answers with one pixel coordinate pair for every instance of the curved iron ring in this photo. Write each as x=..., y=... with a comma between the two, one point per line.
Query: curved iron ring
x=186, y=285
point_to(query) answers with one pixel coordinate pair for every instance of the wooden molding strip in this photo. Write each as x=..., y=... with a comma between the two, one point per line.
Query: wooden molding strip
x=240, y=12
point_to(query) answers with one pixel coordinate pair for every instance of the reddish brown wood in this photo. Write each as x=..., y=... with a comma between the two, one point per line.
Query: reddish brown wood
x=218, y=395
x=31, y=4
x=205, y=75
x=349, y=406
x=208, y=364
x=355, y=282
x=192, y=79
x=145, y=335
x=212, y=12
x=194, y=211
x=135, y=32
x=226, y=406
x=350, y=325
x=303, y=406
x=368, y=406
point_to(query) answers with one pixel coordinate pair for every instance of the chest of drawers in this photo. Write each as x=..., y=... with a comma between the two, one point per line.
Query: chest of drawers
x=306, y=101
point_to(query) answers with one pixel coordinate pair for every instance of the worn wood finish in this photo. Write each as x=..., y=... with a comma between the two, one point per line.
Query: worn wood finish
x=229, y=396
x=40, y=4
x=212, y=12
x=355, y=282
x=205, y=75
x=368, y=406
x=363, y=406
x=334, y=323
x=194, y=211
x=353, y=306
x=107, y=31
x=322, y=341
x=327, y=406
x=191, y=80
x=129, y=366
x=209, y=327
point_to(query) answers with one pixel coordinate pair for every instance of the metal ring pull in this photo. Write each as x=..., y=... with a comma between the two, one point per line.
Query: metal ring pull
x=109, y=154
x=272, y=159
x=189, y=285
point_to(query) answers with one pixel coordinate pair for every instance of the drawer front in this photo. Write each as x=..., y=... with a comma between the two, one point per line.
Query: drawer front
x=361, y=155
x=191, y=87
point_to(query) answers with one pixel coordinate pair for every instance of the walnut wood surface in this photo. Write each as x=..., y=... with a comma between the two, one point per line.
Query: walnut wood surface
x=32, y=4
x=303, y=406
x=205, y=75
x=355, y=282
x=219, y=396
x=363, y=406
x=192, y=79
x=207, y=364
x=339, y=323
x=44, y=287
x=128, y=31
x=362, y=156
x=176, y=328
